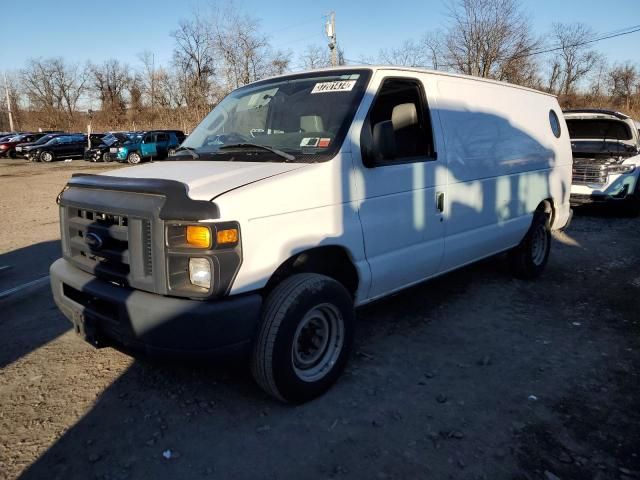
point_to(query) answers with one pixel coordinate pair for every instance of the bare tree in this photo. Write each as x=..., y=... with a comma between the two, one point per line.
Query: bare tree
x=109, y=81
x=194, y=58
x=54, y=88
x=574, y=59
x=433, y=46
x=624, y=83
x=408, y=54
x=314, y=57
x=488, y=38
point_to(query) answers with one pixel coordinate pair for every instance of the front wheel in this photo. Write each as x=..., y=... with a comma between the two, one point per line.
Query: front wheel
x=106, y=157
x=134, y=158
x=171, y=152
x=305, y=337
x=47, y=157
x=530, y=257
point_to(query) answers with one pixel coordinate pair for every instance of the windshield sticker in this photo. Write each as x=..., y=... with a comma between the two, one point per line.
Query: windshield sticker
x=324, y=142
x=310, y=142
x=337, y=86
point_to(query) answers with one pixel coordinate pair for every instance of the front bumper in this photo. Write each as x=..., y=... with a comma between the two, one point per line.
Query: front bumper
x=106, y=314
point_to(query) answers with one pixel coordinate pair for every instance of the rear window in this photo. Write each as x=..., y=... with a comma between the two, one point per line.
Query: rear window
x=598, y=128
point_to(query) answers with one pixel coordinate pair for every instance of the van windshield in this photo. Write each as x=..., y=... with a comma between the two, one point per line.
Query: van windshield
x=306, y=116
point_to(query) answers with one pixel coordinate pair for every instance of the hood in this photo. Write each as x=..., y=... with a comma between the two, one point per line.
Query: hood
x=206, y=180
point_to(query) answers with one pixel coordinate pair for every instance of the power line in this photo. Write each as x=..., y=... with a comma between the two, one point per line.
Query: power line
x=617, y=33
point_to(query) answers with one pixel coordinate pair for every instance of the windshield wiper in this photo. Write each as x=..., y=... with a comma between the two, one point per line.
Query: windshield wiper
x=280, y=153
x=191, y=150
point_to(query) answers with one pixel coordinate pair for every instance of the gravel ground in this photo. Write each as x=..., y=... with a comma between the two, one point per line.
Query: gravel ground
x=474, y=375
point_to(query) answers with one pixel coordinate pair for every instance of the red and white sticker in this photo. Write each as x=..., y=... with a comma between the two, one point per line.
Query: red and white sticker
x=324, y=142
x=335, y=86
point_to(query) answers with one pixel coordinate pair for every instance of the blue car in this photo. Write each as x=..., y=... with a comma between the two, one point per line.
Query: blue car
x=154, y=145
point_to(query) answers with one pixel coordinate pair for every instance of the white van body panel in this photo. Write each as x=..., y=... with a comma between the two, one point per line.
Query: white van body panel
x=502, y=160
x=284, y=215
x=497, y=160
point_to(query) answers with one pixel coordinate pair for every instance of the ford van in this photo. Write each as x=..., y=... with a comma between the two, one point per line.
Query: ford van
x=301, y=197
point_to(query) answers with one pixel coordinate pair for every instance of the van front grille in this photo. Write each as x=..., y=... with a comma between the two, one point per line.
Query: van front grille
x=99, y=240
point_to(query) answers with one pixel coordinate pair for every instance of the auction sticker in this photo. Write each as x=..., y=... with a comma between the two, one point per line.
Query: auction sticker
x=336, y=86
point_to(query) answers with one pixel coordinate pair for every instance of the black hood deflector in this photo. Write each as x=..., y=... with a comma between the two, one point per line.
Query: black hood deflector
x=177, y=206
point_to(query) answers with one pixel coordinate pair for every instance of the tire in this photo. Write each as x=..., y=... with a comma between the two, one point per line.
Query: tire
x=47, y=157
x=12, y=154
x=134, y=158
x=106, y=157
x=529, y=258
x=303, y=304
x=632, y=207
x=171, y=152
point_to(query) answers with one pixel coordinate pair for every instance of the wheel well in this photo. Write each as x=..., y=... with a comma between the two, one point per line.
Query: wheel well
x=546, y=206
x=332, y=261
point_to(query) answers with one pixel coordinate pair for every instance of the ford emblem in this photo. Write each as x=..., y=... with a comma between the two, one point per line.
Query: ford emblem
x=93, y=240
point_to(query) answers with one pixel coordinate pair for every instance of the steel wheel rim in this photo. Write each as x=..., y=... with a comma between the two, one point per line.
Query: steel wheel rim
x=539, y=245
x=317, y=342
x=46, y=156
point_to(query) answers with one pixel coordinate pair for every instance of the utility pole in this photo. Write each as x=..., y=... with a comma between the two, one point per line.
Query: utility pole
x=6, y=91
x=330, y=30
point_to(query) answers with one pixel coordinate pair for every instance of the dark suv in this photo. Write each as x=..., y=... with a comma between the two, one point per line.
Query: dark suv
x=64, y=146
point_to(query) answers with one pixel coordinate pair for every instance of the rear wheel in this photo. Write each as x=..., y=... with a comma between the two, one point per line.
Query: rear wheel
x=530, y=257
x=134, y=158
x=47, y=157
x=305, y=337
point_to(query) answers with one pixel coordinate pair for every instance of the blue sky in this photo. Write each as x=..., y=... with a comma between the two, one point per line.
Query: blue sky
x=81, y=31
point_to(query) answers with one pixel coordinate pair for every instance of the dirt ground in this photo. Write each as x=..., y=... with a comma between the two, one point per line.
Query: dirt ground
x=474, y=375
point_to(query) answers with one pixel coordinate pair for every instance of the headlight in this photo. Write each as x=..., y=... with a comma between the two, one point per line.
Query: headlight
x=122, y=149
x=621, y=169
x=200, y=272
x=202, y=258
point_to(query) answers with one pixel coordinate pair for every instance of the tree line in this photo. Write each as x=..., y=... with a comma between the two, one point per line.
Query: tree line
x=223, y=48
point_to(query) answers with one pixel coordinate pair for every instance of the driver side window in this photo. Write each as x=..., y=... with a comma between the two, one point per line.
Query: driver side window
x=398, y=127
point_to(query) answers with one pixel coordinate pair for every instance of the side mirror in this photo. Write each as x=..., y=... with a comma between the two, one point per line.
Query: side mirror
x=384, y=141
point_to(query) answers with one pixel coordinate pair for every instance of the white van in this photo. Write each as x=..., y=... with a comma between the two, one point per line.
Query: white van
x=606, y=164
x=301, y=197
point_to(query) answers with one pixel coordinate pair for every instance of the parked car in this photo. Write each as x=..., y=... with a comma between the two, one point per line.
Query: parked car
x=301, y=197
x=58, y=148
x=8, y=147
x=24, y=148
x=153, y=145
x=606, y=161
x=102, y=151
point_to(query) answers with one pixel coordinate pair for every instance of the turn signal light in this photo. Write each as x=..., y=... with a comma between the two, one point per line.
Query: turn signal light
x=198, y=236
x=225, y=237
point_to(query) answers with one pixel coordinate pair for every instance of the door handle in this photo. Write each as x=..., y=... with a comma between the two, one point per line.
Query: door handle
x=440, y=201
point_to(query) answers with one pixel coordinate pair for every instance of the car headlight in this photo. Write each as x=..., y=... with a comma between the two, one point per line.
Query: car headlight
x=202, y=258
x=200, y=272
x=122, y=149
x=621, y=169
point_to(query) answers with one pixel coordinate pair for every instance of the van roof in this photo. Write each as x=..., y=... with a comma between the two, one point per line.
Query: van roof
x=375, y=68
